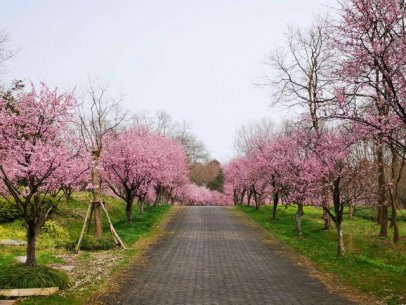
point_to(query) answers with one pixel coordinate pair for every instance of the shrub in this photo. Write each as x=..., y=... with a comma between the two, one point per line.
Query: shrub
x=21, y=276
x=8, y=211
x=54, y=230
x=89, y=243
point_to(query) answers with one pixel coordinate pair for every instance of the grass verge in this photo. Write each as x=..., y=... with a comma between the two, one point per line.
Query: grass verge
x=92, y=269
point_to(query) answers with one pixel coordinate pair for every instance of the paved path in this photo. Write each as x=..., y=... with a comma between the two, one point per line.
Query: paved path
x=212, y=258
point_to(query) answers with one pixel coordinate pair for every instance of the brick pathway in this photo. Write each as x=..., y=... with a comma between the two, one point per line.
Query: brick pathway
x=212, y=258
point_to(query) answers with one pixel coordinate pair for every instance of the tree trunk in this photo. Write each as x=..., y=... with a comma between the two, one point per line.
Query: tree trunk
x=382, y=202
x=298, y=218
x=129, y=211
x=249, y=198
x=242, y=197
x=384, y=222
x=158, y=195
x=141, y=206
x=257, y=201
x=235, y=197
x=98, y=230
x=275, y=204
x=32, y=233
x=350, y=211
x=378, y=215
x=393, y=193
x=394, y=223
x=340, y=239
x=338, y=219
x=326, y=219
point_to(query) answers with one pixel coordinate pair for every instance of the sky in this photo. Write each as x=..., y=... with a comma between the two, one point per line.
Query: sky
x=197, y=59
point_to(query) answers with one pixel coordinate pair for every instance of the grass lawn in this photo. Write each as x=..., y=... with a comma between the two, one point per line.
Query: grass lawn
x=371, y=264
x=64, y=227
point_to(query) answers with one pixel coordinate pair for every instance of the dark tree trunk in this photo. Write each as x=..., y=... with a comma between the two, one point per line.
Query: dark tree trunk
x=257, y=200
x=326, y=220
x=275, y=196
x=338, y=209
x=235, y=197
x=158, y=195
x=129, y=211
x=384, y=222
x=68, y=192
x=249, y=196
x=32, y=233
x=242, y=197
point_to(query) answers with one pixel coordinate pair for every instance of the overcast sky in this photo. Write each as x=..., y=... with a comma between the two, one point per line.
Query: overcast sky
x=196, y=59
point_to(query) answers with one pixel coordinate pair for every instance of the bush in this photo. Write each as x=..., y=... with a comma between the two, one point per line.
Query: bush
x=8, y=211
x=54, y=230
x=90, y=243
x=21, y=276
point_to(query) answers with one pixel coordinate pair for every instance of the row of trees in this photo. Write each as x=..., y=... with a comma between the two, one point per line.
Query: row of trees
x=348, y=146
x=52, y=144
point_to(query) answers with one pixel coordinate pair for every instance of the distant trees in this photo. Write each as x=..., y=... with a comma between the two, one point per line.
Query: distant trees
x=192, y=194
x=248, y=133
x=5, y=52
x=163, y=124
x=208, y=174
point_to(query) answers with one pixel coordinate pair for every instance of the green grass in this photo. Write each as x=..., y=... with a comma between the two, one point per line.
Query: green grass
x=20, y=276
x=64, y=227
x=371, y=263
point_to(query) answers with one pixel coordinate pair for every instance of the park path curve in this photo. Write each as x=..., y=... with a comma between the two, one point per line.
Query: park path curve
x=212, y=258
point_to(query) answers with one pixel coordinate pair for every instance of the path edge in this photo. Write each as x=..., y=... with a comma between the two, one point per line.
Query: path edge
x=144, y=244
x=327, y=279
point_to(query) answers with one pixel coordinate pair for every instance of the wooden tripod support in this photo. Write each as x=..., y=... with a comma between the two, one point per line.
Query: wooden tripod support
x=86, y=224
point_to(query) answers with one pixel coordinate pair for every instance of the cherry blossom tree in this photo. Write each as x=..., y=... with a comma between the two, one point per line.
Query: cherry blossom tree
x=236, y=180
x=136, y=161
x=303, y=75
x=310, y=168
x=35, y=160
x=370, y=36
x=173, y=169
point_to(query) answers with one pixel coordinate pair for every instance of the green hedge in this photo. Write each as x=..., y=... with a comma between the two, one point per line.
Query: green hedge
x=8, y=211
